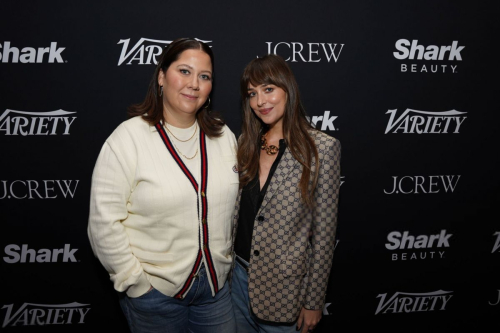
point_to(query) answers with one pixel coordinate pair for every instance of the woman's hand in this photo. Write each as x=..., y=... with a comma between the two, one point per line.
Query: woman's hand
x=308, y=319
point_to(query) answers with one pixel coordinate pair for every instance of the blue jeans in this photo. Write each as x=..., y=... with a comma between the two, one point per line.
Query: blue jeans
x=197, y=312
x=246, y=321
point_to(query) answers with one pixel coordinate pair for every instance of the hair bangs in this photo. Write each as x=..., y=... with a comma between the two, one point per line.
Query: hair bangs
x=260, y=72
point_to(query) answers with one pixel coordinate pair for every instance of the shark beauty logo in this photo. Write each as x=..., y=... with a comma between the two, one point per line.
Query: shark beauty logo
x=421, y=58
x=405, y=246
x=31, y=55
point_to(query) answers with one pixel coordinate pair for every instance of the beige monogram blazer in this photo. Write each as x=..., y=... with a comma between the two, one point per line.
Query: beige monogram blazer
x=292, y=245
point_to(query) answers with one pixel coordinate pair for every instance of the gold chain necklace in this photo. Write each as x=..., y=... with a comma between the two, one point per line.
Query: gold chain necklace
x=189, y=158
x=192, y=136
x=270, y=150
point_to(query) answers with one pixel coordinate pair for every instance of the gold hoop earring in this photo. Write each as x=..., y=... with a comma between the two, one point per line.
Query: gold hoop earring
x=206, y=107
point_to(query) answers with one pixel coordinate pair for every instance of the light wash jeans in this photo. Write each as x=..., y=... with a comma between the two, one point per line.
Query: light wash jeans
x=246, y=321
x=198, y=312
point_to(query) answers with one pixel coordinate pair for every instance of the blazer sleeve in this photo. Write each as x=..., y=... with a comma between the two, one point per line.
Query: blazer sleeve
x=324, y=222
x=111, y=187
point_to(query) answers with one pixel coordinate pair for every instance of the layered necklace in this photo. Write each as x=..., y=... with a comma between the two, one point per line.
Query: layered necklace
x=270, y=150
x=192, y=136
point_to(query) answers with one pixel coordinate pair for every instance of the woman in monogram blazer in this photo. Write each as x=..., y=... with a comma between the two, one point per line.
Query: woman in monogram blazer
x=286, y=212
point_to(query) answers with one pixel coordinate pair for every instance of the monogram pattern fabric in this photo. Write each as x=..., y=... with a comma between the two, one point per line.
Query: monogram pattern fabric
x=292, y=245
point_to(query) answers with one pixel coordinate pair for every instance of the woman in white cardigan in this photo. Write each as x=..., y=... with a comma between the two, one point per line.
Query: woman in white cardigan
x=163, y=192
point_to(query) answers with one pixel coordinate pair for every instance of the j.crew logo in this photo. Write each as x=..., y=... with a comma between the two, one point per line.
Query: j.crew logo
x=308, y=52
x=145, y=51
x=421, y=184
x=497, y=300
x=34, y=189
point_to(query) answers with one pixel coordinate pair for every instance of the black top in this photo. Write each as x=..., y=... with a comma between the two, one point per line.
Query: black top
x=251, y=200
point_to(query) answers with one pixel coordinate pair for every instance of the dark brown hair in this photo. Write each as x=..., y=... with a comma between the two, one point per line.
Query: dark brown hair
x=272, y=69
x=151, y=109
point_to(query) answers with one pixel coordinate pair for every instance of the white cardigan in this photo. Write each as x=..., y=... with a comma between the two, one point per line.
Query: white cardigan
x=144, y=223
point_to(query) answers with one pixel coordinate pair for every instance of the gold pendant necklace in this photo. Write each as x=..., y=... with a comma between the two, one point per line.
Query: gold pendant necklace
x=270, y=150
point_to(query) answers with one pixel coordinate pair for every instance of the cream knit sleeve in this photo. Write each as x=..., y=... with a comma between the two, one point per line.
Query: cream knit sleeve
x=111, y=186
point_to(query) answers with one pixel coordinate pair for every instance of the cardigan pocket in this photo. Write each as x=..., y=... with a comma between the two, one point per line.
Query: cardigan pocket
x=156, y=258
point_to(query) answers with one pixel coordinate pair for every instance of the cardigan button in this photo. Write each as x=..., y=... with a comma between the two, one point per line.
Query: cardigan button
x=204, y=221
x=260, y=218
x=256, y=252
x=202, y=194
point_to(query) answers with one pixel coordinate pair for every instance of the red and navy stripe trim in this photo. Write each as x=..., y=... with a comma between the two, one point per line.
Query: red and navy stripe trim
x=190, y=279
x=203, y=243
x=176, y=156
x=204, y=212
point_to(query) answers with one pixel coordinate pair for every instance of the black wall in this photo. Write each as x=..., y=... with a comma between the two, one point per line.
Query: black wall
x=387, y=273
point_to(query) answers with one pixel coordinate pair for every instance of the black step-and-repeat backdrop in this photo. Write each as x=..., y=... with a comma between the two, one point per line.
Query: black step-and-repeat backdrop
x=409, y=88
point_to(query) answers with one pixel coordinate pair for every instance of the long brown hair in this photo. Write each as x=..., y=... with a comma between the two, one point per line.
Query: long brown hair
x=151, y=109
x=272, y=69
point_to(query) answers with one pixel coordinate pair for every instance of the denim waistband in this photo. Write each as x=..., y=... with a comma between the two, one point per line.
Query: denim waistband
x=242, y=262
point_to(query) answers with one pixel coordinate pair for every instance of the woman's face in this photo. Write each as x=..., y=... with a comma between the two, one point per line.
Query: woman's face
x=268, y=102
x=186, y=83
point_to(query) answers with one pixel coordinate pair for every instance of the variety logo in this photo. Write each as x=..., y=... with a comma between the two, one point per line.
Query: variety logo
x=30, y=314
x=31, y=55
x=13, y=122
x=342, y=181
x=424, y=122
x=405, y=241
x=497, y=300
x=34, y=189
x=497, y=242
x=423, y=184
x=412, y=50
x=325, y=120
x=311, y=52
x=413, y=302
x=145, y=51
x=23, y=254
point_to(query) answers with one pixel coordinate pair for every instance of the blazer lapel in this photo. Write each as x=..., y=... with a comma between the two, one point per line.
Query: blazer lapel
x=286, y=165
